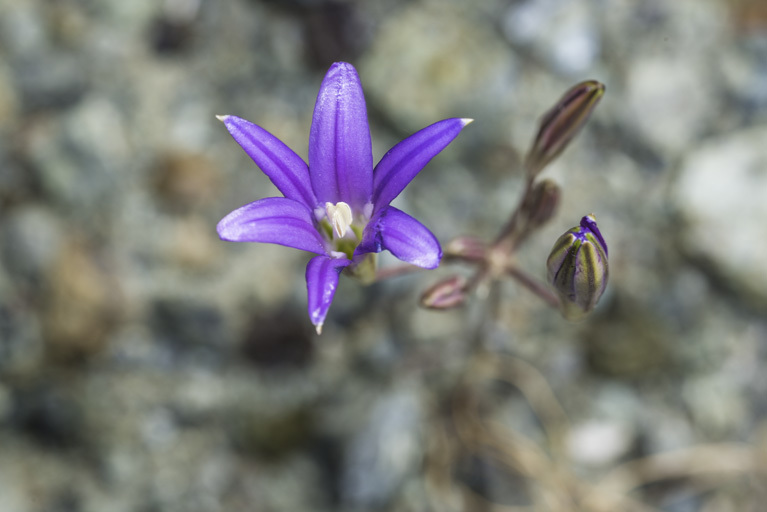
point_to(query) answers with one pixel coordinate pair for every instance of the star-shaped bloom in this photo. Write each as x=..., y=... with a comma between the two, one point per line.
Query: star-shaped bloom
x=338, y=206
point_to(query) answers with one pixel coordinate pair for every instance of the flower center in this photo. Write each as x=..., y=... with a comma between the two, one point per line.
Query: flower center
x=341, y=228
x=340, y=217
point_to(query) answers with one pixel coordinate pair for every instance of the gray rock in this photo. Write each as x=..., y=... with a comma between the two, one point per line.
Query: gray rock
x=599, y=443
x=669, y=100
x=31, y=239
x=448, y=65
x=720, y=194
x=563, y=34
x=80, y=157
x=384, y=452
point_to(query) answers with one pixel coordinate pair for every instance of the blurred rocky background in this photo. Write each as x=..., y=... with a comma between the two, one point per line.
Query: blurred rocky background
x=145, y=366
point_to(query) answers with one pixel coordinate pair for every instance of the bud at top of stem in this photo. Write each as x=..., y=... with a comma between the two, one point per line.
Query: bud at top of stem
x=562, y=123
x=446, y=294
x=541, y=203
x=577, y=268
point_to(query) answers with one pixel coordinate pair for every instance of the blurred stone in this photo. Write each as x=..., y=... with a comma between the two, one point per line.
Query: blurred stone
x=174, y=30
x=184, y=181
x=32, y=237
x=720, y=193
x=48, y=415
x=51, y=80
x=382, y=454
x=80, y=158
x=82, y=305
x=598, y=443
x=563, y=34
x=670, y=100
x=189, y=327
x=22, y=28
x=743, y=69
x=492, y=478
x=273, y=436
x=665, y=428
x=16, y=184
x=334, y=31
x=749, y=15
x=194, y=244
x=9, y=103
x=625, y=340
x=278, y=339
x=448, y=64
x=716, y=404
x=21, y=349
x=6, y=403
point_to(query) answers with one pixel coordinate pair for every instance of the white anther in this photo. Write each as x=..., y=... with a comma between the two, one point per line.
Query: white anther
x=340, y=217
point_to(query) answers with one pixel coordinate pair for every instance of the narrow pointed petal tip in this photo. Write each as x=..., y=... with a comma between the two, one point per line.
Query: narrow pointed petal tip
x=222, y=118
x=322, y=275
x=282, y=165
x=404, y=161
x=466, y=121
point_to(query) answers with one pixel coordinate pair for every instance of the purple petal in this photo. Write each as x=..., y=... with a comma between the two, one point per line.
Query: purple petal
x=403, y=236
x=589, y=223
x=401, y=164
x=274, y=220
x=340, y=153
x=321, y=280
x=286, y=169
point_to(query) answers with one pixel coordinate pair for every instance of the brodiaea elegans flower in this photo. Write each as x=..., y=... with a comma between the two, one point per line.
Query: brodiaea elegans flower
x=338, y=206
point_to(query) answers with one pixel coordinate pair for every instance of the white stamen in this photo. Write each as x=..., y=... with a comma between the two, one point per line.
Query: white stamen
x=340, y=217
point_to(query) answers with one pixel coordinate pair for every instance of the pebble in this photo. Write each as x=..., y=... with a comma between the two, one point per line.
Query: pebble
x=383, y=452
x=599, y=443
x=720, y=195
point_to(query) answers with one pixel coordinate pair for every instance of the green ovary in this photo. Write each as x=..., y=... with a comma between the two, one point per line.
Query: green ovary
x=345, y=245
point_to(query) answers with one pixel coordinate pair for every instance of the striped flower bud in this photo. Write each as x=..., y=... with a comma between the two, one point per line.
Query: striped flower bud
x=577, y=268
x=562, y=123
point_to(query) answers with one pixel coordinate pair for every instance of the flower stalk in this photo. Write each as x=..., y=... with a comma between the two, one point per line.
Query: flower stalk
x=578, y=265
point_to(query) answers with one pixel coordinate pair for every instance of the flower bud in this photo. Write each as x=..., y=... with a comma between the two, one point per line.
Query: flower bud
x=446, y=294
x=541, y=203
x=562, y=123
x=467, y=248
x=577, y=268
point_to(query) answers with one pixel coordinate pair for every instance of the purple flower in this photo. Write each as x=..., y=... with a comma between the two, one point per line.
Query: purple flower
x=338, y=206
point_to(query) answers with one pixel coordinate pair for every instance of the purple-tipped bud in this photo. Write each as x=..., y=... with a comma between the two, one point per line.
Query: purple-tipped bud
x=561, y=124
x=541, y=203
x=577, y=268
x=446, y=294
